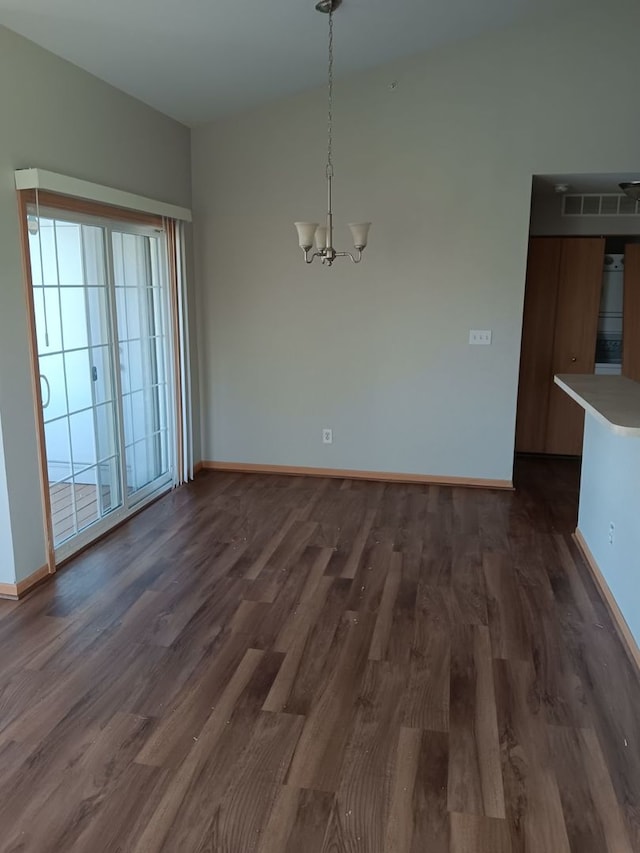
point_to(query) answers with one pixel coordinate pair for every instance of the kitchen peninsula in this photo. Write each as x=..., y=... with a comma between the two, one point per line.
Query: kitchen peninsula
x=609, y=515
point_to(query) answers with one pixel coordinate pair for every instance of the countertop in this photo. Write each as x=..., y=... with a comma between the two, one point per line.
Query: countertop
x=614, y=400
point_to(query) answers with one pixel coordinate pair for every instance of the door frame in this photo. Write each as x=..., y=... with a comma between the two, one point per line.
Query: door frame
x=36, y=385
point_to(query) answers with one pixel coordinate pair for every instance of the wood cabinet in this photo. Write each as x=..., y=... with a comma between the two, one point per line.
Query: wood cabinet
x=538, y=328
x=562, y=302
x=631, y=315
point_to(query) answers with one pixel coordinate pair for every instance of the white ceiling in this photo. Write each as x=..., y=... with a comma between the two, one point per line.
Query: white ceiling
x=608, y=183
x=198, y=59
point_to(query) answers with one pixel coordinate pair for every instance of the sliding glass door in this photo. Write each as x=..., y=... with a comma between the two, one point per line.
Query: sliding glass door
x=141, y=309
x=100, y=295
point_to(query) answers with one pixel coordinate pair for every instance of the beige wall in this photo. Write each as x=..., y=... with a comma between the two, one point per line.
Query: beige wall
x=57, y=117
x=6, y=541
x=443, y=167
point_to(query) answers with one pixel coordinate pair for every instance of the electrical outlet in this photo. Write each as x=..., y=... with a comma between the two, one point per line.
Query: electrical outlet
x=612, y=533
x=327, y=436
x=480, y=337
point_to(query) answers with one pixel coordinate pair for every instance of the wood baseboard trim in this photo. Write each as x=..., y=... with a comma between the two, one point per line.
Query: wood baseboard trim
x=349, y=474
x=33, y=580
x=624, y=632
x=197, y=468
x=9, y=591
x=15, y=591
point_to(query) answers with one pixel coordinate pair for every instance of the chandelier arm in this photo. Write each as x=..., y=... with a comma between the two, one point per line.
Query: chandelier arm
x=355, y=258
x=308, y=259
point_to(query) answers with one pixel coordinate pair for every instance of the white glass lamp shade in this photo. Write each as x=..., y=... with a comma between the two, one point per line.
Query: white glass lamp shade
x=306, y=231
x=321, y=237
x=360, y=233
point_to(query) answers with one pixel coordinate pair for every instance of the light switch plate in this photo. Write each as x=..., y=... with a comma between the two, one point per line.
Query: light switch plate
x=480, y=337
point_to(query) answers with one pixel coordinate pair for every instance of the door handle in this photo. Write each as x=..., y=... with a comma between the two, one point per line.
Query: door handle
x=573, y=359
x=44, y=379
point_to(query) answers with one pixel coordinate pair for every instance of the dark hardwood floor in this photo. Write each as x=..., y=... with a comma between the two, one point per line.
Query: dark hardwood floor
x=297, y=665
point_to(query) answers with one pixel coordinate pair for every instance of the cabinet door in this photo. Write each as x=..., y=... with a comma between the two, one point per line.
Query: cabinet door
x=576, y=329
x=536, y=359
x=631, y=315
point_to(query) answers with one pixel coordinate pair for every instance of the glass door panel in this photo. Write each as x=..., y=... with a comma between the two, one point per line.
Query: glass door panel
x=76, y=358
x=143, y=350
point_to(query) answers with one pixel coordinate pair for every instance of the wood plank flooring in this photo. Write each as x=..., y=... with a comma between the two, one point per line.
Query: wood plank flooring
x=276, y=665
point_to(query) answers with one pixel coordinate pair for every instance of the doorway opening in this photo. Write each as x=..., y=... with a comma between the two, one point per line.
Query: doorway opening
x=582, y=298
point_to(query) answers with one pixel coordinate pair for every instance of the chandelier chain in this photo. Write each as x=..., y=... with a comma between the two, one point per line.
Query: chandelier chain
x=330, y=99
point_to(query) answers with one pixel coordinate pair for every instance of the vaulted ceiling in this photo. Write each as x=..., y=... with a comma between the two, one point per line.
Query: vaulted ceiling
x=199, y=59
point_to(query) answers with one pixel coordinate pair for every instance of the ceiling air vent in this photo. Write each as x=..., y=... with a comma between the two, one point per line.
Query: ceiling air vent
x=590, y=204
x=572, y=205
x=628, y=206
x=609, y=205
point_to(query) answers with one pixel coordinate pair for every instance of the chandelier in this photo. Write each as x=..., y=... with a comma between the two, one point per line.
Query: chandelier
x=322, y=235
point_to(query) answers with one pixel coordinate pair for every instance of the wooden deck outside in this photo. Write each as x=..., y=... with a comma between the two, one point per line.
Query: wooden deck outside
x=86, y=507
